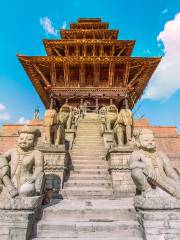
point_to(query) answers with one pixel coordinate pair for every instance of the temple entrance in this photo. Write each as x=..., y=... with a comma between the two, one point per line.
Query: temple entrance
x=90, y=104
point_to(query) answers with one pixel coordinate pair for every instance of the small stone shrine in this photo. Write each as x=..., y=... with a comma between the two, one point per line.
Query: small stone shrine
x=88, y=170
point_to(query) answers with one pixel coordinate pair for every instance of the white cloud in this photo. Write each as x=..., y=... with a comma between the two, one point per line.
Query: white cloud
x=2, y=107
x=164, y=11
x=4, y=116
x=47, y=25
x=64, y=25
x=166, y=80
x=23, y=120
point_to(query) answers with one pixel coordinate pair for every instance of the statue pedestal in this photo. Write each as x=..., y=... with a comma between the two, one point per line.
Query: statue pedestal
x=55, y=166
x=159, y=217
x=18, y=217
x=108, y=138
x=70, y=136
x=118, y=158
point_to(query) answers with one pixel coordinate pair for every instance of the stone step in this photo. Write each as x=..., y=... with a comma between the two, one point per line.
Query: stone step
x=102, y=158
x=88, y=142
x=91, y=210
x=93, y=152
x=77, y=229
x=90, y=238
x=87, y=191
x=84, y=161
x=90, y=171
x=77, y=167
x=85, y=143
x=87, y=183
x=125, y=234
x=89, y=177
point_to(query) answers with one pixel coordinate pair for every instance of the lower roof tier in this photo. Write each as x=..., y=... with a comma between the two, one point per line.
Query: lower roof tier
x=98, y=77
x=89, y=47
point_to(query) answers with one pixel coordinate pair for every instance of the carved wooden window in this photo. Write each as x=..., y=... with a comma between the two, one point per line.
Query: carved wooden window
x=60, y=75
x=119, y=75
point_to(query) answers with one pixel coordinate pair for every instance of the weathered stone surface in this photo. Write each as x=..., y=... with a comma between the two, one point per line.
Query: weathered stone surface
x=18, y=224
x=160, y=224
x=55, y=166
x=118, y=158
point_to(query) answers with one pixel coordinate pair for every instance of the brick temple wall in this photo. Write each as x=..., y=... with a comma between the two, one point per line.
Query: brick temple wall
x=167, y=138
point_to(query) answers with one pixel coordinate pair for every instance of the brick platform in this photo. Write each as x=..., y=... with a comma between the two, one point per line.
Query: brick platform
x=167, y=137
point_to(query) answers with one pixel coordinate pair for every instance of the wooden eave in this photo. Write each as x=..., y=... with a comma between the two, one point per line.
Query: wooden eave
x=140, y=69
x=90, y=25
x=67, y=33
x=50, y=44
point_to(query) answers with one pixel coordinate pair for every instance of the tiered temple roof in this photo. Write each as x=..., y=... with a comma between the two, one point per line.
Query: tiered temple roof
x=89, y=62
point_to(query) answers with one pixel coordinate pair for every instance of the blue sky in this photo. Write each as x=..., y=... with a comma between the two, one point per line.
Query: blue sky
x=142, y=20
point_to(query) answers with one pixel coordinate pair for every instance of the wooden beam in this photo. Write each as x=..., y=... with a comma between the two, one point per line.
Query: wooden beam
x=53, y=73
x=134, y=80
x=121, y=51
x=56, y=51
x=42, y=75
x=126, y=74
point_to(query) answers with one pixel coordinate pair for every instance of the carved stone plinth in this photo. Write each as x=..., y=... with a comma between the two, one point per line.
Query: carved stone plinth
x=118, y=157
x=108, y=138
x=17, y=224
x=159, y=217
x=55, y=166
x=70, y=136
x=18, y=216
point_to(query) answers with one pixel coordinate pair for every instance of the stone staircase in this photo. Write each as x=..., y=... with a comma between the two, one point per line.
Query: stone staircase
x=88, y=210
x=89, y=177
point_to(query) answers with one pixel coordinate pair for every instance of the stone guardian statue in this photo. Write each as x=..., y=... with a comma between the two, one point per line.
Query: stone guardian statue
x=21, y=168
x=151, y=169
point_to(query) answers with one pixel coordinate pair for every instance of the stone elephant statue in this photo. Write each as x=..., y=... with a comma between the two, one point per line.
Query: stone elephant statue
x=111, y=117
x=65, y=116
x=50, y=125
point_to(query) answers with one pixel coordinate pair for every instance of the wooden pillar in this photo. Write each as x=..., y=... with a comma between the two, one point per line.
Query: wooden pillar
x=111, y=74
x=96, y=74
x=97, y=105
x=113, y=50
x=94, y=50
x=126, y=74
x=66, y=51
x=84, y=50
x=77, y=50
x=82, y=75
x=66, y=74
x=53, y=74
x=101, y=50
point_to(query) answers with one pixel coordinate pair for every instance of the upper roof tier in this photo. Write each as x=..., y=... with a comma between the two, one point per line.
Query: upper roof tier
x=89, y=28
x=89, y=23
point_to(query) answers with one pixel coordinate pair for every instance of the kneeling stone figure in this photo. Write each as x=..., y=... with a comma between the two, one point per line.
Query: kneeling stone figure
x=21, y=168
x=151, y=169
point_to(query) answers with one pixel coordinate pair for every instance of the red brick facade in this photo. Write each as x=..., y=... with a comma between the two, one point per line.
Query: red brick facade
x=168, y=140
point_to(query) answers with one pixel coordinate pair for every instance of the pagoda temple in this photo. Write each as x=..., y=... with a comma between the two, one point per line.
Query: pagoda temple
x=89, y=63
